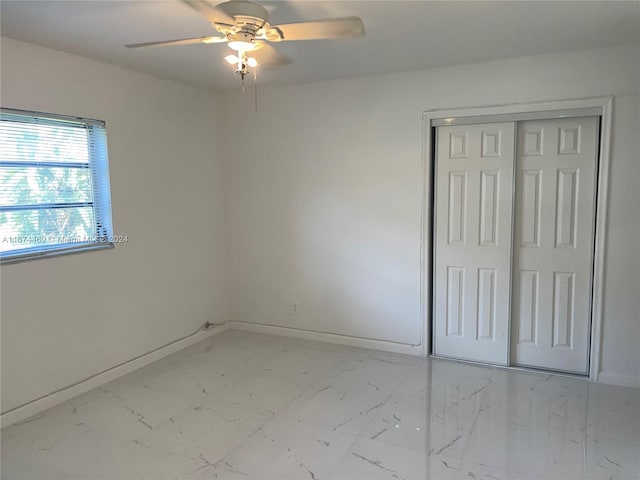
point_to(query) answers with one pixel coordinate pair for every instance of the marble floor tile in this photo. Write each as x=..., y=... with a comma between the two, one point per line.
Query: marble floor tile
x=371, y=459
x=278, y=451
x=540, y=452
x=51, y=448
x=327, y=406
x=608, y=458
x=304, y=366
x=207, y=431
x=401, y=422
x=614, y=413
x=136, y=461
x=122, y=412
x=253, y=406
x=190, y=378
x=480, y=471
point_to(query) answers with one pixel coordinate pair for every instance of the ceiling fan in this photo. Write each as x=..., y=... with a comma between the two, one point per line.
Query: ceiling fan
x=244, y=26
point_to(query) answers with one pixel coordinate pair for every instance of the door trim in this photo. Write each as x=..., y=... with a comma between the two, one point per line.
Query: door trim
x=599, y=106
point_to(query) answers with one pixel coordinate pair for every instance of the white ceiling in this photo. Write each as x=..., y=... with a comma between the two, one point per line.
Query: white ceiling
x=401, y=36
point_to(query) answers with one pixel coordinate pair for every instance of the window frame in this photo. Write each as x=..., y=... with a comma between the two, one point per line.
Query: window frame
x=98, y=167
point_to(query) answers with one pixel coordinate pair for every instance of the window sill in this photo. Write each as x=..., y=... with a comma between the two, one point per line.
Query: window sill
x=56, y=252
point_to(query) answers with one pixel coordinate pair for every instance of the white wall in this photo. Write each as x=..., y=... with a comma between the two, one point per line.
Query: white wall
x=324, y=194
x=67, y=318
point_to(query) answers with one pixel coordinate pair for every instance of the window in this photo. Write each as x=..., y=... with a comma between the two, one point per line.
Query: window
x=54, y=185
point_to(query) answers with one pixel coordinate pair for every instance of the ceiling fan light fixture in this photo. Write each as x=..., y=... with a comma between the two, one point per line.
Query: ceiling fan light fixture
x=232, y=59
x=241, y=46
x=252, y=62
x=241, y=41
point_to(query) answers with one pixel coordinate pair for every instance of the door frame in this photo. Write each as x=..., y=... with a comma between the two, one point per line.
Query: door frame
x=598, y=106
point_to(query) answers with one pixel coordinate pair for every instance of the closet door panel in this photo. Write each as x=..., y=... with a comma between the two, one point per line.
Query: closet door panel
x=473, y=237
x=553, y=252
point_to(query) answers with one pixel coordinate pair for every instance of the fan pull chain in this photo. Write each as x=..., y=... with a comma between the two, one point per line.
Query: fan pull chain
x=255, y=89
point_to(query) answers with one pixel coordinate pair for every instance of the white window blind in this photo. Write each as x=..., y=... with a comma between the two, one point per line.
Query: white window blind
x=54, y=185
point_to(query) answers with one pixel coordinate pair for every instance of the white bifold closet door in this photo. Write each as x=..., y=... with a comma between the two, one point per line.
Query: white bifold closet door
x=555, y=202
x=513, y=258
x=473, y=239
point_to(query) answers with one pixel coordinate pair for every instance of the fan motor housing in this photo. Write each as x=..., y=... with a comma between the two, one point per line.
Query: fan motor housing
x=243, y=11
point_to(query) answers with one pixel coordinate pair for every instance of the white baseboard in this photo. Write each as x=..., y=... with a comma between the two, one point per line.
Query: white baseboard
x=44, y=403
x=620, y=380
x=382, y=345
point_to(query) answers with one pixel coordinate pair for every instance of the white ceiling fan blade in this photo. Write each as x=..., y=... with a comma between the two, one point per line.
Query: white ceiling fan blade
x=210, y=12
x=268, y=57
x=346, y=27
x=181, y=41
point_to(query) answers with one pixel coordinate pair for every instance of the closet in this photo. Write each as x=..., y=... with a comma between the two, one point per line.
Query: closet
x=513, y=242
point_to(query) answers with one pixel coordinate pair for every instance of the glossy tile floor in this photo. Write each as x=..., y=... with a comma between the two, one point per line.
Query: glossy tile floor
x=243, y=406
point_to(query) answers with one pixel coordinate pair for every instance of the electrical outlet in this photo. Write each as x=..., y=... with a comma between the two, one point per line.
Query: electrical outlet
x=294, y=308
